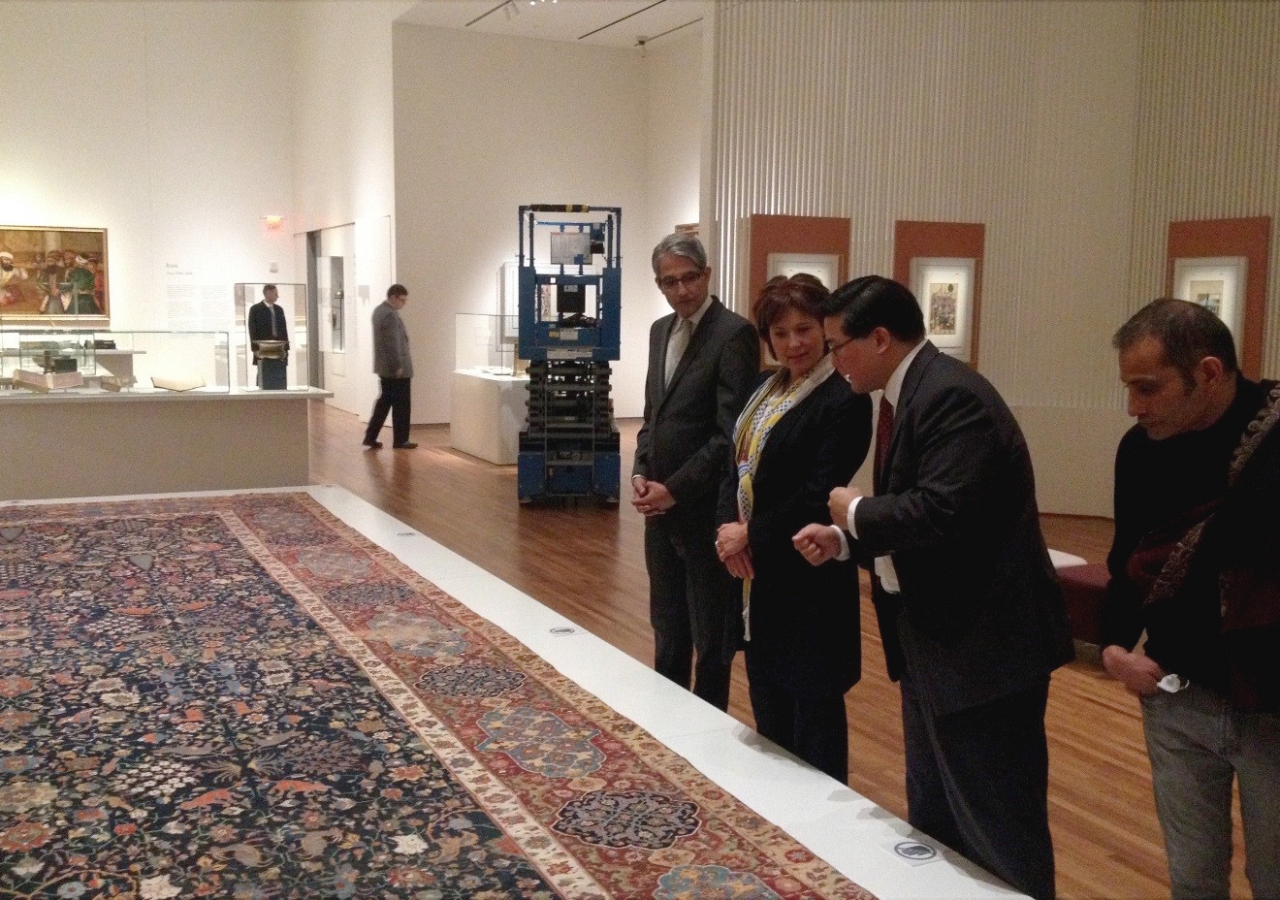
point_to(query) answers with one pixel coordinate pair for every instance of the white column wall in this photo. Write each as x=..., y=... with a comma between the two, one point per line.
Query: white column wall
x=344, y=161
x=673, y=129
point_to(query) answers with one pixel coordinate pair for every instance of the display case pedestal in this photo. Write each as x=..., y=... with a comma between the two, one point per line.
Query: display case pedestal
x=64, y=445
x=488, y=412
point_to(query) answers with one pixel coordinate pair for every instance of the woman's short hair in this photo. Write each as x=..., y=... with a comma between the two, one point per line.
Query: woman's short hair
x=800, y=292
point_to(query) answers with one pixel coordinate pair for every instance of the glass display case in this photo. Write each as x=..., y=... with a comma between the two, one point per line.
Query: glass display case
x=483, y=345
x=113, y=361
x=278, y=359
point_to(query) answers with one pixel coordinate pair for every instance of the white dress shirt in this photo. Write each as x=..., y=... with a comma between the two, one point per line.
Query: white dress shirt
x=681, y=333
x=884, y=564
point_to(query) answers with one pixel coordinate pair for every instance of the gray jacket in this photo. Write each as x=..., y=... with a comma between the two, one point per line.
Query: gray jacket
x=391, y=358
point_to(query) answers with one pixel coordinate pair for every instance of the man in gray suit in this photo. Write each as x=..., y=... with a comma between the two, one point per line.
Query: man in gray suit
x=970, y=611
x=394, y=367
x=703, y=363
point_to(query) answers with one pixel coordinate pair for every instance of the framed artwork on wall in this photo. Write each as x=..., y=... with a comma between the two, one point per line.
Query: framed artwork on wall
x=54, y=276
x=1223, y=264
x=786, y=245
x=1216, y=283
x=823, y=266
x=941, y=262
x=944, y=287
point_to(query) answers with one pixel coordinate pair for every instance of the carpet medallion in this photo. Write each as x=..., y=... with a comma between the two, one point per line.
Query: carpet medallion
x=240, y=697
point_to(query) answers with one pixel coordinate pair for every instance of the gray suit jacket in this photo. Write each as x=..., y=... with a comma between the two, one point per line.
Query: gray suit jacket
x=391, y=358
x=981, y=613
x=685, y=440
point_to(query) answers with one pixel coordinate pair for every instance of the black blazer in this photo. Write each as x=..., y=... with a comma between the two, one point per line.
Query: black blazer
x=805, y=628
x=260, y=327
x=688, y=426
x=981, y=613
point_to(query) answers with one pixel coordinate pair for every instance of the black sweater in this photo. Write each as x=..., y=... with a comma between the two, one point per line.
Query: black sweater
x=1155, y=483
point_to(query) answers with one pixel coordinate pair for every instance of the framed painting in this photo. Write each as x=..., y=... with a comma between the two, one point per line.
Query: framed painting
x=944, y=288
x=823, y=266
x=54, y=276
x=1216, y=283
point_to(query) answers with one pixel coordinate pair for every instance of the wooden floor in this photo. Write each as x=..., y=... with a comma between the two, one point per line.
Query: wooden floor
x=587, y=562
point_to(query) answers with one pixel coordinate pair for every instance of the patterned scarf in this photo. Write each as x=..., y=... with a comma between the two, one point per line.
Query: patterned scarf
x=771, y=401
x=1176, y=565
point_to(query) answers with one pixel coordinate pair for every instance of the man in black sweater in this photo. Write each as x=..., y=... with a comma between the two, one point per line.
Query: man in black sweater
x=1196, y=563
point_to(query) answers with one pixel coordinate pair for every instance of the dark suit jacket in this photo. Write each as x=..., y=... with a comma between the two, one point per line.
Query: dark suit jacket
x=688, y=426
x=805, y=628
x=981, y=614
x=260, y=327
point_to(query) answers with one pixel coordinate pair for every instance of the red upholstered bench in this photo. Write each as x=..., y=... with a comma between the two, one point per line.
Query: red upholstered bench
x=1084, y=588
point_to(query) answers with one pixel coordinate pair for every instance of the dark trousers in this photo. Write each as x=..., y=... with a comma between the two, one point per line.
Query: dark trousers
x=272, y=374
x=978, y=781
x=690, y=605
x=394, y=399
x=811, y=724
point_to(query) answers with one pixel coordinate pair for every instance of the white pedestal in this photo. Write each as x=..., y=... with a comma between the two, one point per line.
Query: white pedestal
x=67, y=444
x=488, y=413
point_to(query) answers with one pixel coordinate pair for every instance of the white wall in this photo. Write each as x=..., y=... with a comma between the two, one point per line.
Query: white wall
x=205, y=116
x=171, y=130
x=485, y=124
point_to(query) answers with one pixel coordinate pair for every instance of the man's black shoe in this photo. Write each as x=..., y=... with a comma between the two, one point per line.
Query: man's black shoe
x=375, y=445
x=407, y=445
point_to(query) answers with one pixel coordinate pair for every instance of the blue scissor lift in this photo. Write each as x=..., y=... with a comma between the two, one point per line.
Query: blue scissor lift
x=570, y=311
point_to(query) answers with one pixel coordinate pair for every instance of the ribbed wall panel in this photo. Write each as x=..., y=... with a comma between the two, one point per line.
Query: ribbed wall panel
x=1042, y=120
x=1209, y=133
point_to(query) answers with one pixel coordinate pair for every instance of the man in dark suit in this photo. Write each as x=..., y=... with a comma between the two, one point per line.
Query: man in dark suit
x=970, y=611
x=267, y=323
x=703, y=362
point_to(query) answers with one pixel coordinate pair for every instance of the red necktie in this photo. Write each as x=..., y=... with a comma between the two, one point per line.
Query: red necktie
x=884, y=433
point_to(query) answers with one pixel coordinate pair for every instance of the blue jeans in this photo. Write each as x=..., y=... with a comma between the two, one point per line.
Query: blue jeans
x=1198, y=743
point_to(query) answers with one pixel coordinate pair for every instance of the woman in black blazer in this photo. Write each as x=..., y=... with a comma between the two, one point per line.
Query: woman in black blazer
x=802, y=433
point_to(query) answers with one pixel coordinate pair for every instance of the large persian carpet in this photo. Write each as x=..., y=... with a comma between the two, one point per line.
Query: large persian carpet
x=240, y=697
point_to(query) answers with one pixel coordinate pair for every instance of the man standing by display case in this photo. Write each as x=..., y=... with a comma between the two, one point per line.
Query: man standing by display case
x=269, y=338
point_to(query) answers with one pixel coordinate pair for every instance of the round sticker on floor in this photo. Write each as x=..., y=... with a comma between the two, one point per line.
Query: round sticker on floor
x=915, y=851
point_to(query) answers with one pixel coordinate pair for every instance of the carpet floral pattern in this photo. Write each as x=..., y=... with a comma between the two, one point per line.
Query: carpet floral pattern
x=240, y=697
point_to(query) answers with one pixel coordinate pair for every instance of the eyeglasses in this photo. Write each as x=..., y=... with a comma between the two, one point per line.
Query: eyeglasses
x=670, y=282
x=834, y=347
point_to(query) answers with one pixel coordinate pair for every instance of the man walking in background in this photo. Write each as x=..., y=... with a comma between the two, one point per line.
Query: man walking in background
x=394, y=367
x=703, y=363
